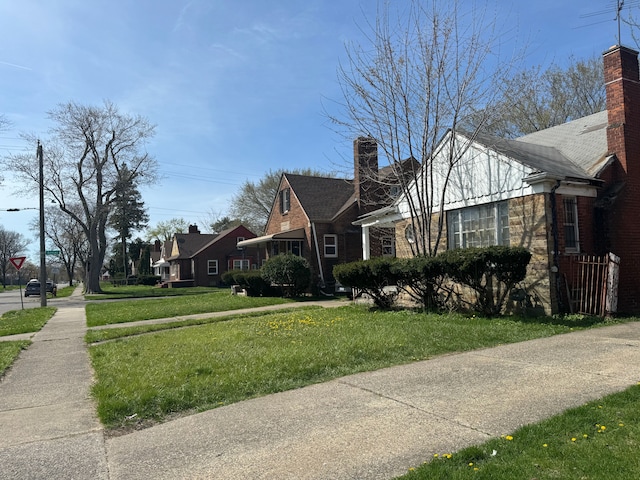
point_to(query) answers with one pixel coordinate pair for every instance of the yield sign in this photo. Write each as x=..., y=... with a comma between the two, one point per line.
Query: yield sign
x=17, y=261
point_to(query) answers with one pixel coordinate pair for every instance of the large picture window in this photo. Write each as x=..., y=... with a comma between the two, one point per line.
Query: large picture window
x=241, y=264
x=479, y=226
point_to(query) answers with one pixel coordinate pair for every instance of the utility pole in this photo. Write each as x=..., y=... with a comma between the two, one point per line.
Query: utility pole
x=43, y=263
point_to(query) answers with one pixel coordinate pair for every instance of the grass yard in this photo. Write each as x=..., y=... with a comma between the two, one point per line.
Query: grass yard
x=599, y=440
x=109, y=292
x=149, y=377
x=9, y=351
x=25, y=321
x=219, y=300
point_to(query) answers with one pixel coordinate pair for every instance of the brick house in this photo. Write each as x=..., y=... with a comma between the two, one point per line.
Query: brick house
x=312, y=216
x=568, y=190
x=200, y=259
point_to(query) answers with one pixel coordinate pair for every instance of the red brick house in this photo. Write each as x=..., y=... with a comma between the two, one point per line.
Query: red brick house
x=312, y=216
x=200, y=259
x=563, y=192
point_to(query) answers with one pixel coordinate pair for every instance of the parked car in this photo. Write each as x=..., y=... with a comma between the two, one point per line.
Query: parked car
x=33, y=287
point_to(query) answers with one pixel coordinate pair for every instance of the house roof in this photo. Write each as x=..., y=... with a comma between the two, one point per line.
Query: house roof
x=576, y=149
x=321, y=198
x=189, y=244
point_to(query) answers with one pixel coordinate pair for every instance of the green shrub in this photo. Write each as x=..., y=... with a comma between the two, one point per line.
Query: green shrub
x=491, y=272
x=421, y=278
x=289, y=272
x=250, y=280
x=148, y=279
x=370, y=277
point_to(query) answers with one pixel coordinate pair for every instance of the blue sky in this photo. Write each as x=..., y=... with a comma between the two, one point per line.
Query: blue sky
x=235, y=87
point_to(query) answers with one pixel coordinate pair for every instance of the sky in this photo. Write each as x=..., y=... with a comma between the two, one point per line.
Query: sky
x=235, y=87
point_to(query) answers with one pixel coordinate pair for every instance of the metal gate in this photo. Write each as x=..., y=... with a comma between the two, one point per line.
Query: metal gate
x=593, y=284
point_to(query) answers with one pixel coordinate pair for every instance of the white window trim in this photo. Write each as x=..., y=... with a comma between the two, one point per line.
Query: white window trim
x=576, y=230
x=456, y=216
x=242, y=263
x=328, y=246
x=212, y=263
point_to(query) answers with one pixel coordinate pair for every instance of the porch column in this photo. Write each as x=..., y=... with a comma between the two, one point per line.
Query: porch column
x=366, y=254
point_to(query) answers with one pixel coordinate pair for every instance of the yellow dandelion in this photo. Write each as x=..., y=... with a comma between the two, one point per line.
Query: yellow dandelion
x=471, y=464
x=584, y=435
x=411, y=469
x=508, y=437
x=573, y=439
x=603, y=428
x=544, y=445
x=621, y=424
x=475, y=469
x=435, y=455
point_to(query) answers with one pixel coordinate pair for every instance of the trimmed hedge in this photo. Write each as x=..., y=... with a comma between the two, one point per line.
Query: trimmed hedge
x=289, y=272
x=250, y=280
x=490, y=272
x=370, y=277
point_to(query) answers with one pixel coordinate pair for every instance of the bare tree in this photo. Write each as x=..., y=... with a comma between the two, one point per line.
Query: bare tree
x=85, y=157
x=164, y=231
x=67, y=236
x=535, y=99
x=427, y=74
x=252, y=204
x=11, y=244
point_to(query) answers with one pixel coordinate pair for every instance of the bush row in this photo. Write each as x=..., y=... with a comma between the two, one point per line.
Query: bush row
x=288, y=275
x=490, y=273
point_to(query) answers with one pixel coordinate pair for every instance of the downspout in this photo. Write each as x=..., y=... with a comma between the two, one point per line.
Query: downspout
x=315, y=241
x=554, y=229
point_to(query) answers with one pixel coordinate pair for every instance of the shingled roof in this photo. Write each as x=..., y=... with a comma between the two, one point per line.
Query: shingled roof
x=576, y=149
x=321, y=198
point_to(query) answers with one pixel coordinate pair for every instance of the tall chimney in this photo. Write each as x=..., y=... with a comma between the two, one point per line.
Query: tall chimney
x=621, y=78
x=365, y=175
x=622, y=82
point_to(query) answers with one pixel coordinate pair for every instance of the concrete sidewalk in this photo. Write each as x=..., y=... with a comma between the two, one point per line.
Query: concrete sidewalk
x=366, y=426
x=48, y=425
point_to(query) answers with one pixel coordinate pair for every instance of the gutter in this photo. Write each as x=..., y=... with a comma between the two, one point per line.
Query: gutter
x=315, y=241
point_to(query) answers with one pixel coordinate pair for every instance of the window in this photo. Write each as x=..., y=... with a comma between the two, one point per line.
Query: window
x=286, y=246
x=212, y=267
x=388, y=247
x=571, y=239
x=285, y=200
x=480, y=226
x=241, y=264
x=238, y=240
x=331, y=245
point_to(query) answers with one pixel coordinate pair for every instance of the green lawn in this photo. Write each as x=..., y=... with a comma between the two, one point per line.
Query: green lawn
x=9, y=351
x=138, y=291
x=599, y=440
x=25, y=321
x=104, y=313
x=197, y=368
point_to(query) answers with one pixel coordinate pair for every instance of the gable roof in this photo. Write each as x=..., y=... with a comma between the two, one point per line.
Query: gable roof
x=321, y=198
x=576, y=149
x=189, y=244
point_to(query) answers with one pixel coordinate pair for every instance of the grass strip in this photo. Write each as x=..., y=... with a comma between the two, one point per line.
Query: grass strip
x=29, y=320
x=110, y=292
x=107, y=334
x=198, y=368
x=599, y=440
x=9, y=351
x=134, y=310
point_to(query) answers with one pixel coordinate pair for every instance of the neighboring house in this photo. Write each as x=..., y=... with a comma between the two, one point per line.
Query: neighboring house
x=567, y=190
x=312, y=216
x=160, y=265
x=198, y=259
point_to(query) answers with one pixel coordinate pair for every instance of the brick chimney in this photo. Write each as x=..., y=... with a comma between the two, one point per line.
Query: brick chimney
x=365, y=174
x=621, y=78
x=193, y=229
x=622, y=82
